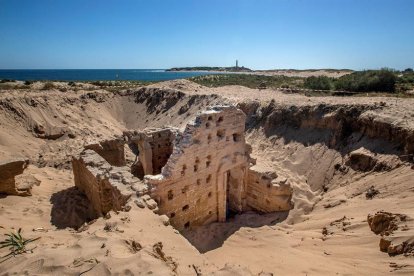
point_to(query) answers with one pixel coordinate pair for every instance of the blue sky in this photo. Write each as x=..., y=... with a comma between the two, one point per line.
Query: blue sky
x=261, y=34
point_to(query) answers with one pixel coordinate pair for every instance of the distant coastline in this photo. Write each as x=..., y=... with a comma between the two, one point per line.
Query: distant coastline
x=210, y=69
x=155, y=74
x=304, y=73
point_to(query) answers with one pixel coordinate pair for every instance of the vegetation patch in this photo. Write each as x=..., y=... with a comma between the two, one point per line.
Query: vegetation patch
x=16, y=244
x=370, y=81
x=249, y=80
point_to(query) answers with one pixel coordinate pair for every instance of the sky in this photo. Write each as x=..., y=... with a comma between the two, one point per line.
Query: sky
x=159, y=34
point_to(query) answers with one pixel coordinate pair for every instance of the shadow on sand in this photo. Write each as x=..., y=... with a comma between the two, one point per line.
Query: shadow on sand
x=212, y=236
x=71, y=208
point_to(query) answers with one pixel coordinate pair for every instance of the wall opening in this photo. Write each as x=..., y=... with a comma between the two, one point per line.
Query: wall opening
x=219, y=121
x=137, y=169
x=220, y=134
x=170, y=195
x=236, y=137
x=208, y=162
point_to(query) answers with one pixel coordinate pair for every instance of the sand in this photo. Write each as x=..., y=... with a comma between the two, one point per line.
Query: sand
x=124, y=243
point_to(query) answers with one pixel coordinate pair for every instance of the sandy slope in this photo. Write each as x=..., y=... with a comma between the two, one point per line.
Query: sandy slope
x=249, y=244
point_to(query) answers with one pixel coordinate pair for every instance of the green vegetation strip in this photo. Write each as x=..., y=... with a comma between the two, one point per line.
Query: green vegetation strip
x=377, y=81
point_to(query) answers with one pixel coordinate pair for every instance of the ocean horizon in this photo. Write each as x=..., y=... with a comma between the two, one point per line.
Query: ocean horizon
x=95, y=74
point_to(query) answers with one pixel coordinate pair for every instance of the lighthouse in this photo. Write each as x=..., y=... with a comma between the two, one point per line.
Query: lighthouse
x=237, y=64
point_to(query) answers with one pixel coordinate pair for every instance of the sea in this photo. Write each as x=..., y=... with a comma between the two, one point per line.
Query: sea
x=96, y=74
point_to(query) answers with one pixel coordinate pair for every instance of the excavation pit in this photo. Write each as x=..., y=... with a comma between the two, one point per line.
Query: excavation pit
x=198, y=176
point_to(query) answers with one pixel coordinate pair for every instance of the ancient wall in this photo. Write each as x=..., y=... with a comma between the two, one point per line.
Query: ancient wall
x=9, y=169
x=154, y=145
x=196, y=176
x=266, y=192
x=107, y=187
x=161, y=141
x=111, y=150
x=236, y=183
x=192, y=186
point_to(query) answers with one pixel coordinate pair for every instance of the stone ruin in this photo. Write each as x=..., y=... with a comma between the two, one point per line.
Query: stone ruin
x=195, y=177
x=13, y=181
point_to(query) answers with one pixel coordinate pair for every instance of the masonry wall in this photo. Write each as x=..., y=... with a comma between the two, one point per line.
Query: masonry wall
x=191, y=188
x=266, y=192
x=237, y=179
x=102, y=184
x=111, y=150
x=162, y=147
x=9, y=169
x=155, y=147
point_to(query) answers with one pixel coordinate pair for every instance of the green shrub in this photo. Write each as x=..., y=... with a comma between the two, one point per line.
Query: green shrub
x=248, y=80
x=383, y=80
x=319, y=83
x=6, y=80
x=407, y=78
x=405, y=81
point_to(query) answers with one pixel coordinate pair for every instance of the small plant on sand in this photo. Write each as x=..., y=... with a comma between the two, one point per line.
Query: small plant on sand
x=16, y=244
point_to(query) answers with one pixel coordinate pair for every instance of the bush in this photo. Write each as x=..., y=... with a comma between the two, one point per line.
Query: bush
x=383, y=80
x=319, y=83
x=48, y=86
x=6, y=80
x=251, y=81
x=28, y=82
x=405, y=82
x=407, y=78
x=408, y=70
